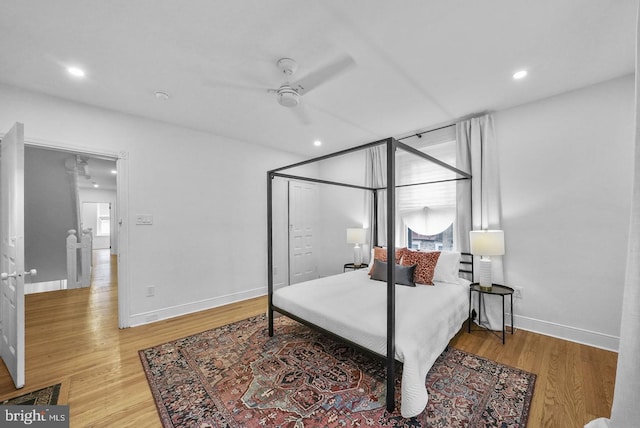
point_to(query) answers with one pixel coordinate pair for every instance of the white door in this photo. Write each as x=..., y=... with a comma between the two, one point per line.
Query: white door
x=12, y=252
x=303, y=200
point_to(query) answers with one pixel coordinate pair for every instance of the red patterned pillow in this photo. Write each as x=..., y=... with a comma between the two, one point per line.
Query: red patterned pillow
x=380, y=253
x=426, y=264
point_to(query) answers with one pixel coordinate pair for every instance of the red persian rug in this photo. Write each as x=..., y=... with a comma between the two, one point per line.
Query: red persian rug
x=237, y=376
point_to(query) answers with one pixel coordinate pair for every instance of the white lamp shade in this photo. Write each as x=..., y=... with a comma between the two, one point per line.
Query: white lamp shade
x=487, y=242
x=356, y=236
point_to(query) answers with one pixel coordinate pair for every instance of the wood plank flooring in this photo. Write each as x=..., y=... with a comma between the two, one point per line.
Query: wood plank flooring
x=73, y=337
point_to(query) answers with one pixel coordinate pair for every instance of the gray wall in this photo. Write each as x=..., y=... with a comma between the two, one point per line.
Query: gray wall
x=48, y=212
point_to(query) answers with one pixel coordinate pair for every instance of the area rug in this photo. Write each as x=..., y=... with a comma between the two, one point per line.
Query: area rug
x=41, y=397
x=237, y=376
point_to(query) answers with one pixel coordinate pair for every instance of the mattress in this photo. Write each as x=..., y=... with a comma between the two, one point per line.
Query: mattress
x=353, y=306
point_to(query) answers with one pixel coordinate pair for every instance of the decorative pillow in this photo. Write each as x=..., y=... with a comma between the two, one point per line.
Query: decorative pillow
x=447, y=268
x=426, y=262
x=380, y=253
x=404, y=274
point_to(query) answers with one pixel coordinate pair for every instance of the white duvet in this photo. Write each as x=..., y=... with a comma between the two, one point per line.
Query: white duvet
x=355, y=307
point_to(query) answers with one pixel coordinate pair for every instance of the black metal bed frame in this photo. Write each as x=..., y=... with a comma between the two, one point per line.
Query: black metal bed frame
x=391, y=146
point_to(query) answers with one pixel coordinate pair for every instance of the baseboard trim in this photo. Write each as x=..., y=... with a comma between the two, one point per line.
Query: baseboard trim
x=44, y=286
x=189, y=308
x=565, y=332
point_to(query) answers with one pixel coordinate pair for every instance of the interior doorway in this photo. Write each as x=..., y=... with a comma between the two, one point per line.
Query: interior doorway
x=64, y=192
x=96, y=217
x=94, y=165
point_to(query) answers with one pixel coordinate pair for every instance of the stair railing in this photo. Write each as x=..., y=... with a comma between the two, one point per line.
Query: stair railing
x=79, y=258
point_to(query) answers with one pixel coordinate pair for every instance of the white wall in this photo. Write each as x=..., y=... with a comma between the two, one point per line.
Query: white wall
x=206, y=193
x=565, y=172
x=342, y=208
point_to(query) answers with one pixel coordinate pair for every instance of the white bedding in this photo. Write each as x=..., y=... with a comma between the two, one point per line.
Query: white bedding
x=355, y=307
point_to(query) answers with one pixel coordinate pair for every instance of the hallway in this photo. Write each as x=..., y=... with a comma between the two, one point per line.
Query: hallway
x=101, y=274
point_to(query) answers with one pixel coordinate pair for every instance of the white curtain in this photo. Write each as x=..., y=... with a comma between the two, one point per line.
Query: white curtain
x=478, y=202
x=625, y=411
x=375, y=173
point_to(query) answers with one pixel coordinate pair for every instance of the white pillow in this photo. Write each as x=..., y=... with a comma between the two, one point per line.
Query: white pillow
x=447, y=267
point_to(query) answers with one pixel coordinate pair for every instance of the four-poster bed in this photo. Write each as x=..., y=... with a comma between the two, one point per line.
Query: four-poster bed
x=428, y=316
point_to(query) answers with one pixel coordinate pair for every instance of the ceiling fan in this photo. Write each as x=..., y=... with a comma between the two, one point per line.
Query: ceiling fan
x=289, y=93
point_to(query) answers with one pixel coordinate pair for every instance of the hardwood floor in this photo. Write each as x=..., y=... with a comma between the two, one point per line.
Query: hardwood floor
x=73, y=337
x=574, y=382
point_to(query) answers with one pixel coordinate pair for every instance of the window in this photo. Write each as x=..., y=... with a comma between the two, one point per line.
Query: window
x=103, y=219
x=428, y=212
x=443, y=241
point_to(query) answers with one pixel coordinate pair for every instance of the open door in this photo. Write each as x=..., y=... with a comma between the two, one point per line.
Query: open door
x=12, y=253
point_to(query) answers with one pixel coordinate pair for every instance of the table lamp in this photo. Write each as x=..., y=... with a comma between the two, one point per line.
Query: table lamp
x=486, y=243
x=357, y=237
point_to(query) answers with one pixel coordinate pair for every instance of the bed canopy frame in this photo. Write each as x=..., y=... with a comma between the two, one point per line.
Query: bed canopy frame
x=392, y=145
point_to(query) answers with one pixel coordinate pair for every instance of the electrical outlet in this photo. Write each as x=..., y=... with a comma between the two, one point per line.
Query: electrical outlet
x=517, y=292
x=151, y=291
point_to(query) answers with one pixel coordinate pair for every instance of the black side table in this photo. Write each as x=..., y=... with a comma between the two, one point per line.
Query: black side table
x=498, y=290
x=353, y=266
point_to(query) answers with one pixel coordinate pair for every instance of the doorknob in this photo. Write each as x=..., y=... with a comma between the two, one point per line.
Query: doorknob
x=4, y=275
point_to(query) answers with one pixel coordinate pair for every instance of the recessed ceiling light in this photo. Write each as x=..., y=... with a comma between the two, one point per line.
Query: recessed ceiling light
x=162, y=95
x=520, y=74
x=317, y=143
x=113, y=171
x=96, y=185
x=76, y=72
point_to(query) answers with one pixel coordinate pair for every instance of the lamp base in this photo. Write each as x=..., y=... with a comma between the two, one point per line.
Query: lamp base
x=357, y=256
x=484, y=273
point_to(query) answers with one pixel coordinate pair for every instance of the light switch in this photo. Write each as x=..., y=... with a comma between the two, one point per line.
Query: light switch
x=144, y=219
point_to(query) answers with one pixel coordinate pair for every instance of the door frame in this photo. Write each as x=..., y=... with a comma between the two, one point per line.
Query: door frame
x=122, y=206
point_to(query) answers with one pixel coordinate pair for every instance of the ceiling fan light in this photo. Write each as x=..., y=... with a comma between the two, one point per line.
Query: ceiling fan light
x=288, y=99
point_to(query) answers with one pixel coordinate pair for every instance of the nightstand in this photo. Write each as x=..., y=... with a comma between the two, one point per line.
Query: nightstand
x=496, y=290
x=353, y=266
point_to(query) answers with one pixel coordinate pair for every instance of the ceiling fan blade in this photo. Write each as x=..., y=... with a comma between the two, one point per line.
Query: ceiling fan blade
x=318, y=77
x=302, y=113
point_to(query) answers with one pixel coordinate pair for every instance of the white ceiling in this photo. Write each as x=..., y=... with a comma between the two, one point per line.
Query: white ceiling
x=99, y=172
x=418, y=63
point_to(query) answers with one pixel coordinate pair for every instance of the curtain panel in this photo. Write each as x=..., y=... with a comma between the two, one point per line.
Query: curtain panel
x=375, y=173
x=478, y=200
